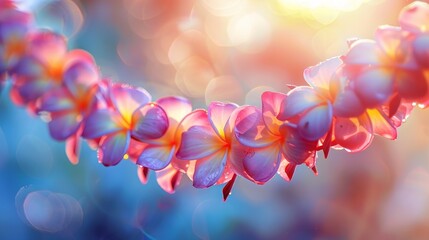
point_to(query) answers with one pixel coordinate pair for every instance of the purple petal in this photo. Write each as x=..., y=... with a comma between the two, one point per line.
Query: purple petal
x=271, y=106
x=208, y=170
x=80, y=77
x=250, y=129
x=347, y=104
x=113, y=148
x=363, y=52
x=56, y=100
x=198, y=117
x=64, y=124
x=263, y=163
x=299, y=100
x=375, y=86
x=156, y=157
x=219, y=114
x=199, y=142
x=421, y=50
x=415, y=17
x=176, y=108
x=48, y=47
x=149, y=122
x=316, y=123
x=100, y=123
x=296, y=149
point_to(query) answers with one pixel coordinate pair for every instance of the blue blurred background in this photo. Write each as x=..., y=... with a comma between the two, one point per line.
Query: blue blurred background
x=211, y=50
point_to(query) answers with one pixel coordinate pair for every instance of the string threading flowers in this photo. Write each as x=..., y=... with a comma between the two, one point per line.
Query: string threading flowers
x=370, y=90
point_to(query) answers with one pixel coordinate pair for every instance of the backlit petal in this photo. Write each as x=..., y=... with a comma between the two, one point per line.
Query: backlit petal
x=363, y=52
x=392, y=41
x=199, y=142
x=411, y=85
x=347, y=104
x=319, y=76
x=298, y=100
x=168, y=178
x=100, y=123
x=208, y=170
x=113, y=148
x=219, y=114
x=375, y=86
x=381, y=124
x=295, y=148
x=250, y=129
x=198, y=117
x=80, y=77
x=421, y=49
x=149, y=122
x=176, y=108
x=127, y=99
x=415, y=17
x=271, y=103
x=353, y=134
x=156, y=157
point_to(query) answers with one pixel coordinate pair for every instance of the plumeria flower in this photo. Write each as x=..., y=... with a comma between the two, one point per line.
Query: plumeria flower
x=160, y=154
x=14, y=26
x=127, y=114
x=209, y=143
x=69, y=105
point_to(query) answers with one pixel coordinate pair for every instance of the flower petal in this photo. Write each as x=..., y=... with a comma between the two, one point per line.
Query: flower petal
x=64, y=124
x=263, y=163
x=298, y=100
x=250, y=129
x=48, y=47
x=353, y=134
x=316, y=122
x=296, y=149
x=319, y=76
x=375, y=86
x=392, y=41
x=363, y=52
x=176, y=108
x=127, y=99
x=73, y=148
x=100, y=123
x=156, y=157
x=209, y=169
x=149, y=122
x=381, y=124
x=56, y=100
x=411, y=85
x=219, y=114
x=347, y=104
x=421, y=49
x=271, y=103
x=199, y=142
x=415, y=17
x=113, y=148
x=80, y=77
x=169, y=178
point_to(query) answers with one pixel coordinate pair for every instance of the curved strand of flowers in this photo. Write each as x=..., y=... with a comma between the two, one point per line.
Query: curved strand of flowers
x=368, y=91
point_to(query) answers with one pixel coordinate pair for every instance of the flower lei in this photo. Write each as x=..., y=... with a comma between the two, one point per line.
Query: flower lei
x=368, y=91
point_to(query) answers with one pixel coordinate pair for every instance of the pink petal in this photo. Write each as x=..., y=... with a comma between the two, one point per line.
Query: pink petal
x=56, y=100
x=375, y=86
x=78, y=55
x=263, y=163
x=347, y=104
x=421, y=50
x=271, y=103
x=127, y=99
x=316, y=123
x=296, y=149
x=48, y=47
x=352, y=133
x=113, y=148
x=26, y=90
x=101, y=123
x=236, y=155
x=73, y=148
x=80, y=77
x=149, y=122
x=319, y=76
x=198, y=117
x=142, y=173
x=392, y=41
x=199, y=142
x=381, y=124
x=168, y=178
x=156, y=157
x=135, y=149
x=286, y=170
x=64, y=124
x=208, y=170
x=226, y=191
x=363, y=52
x=219, y=114
x=415, y=17
x=299, y=100
x=250, y=129
x=176, y=108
